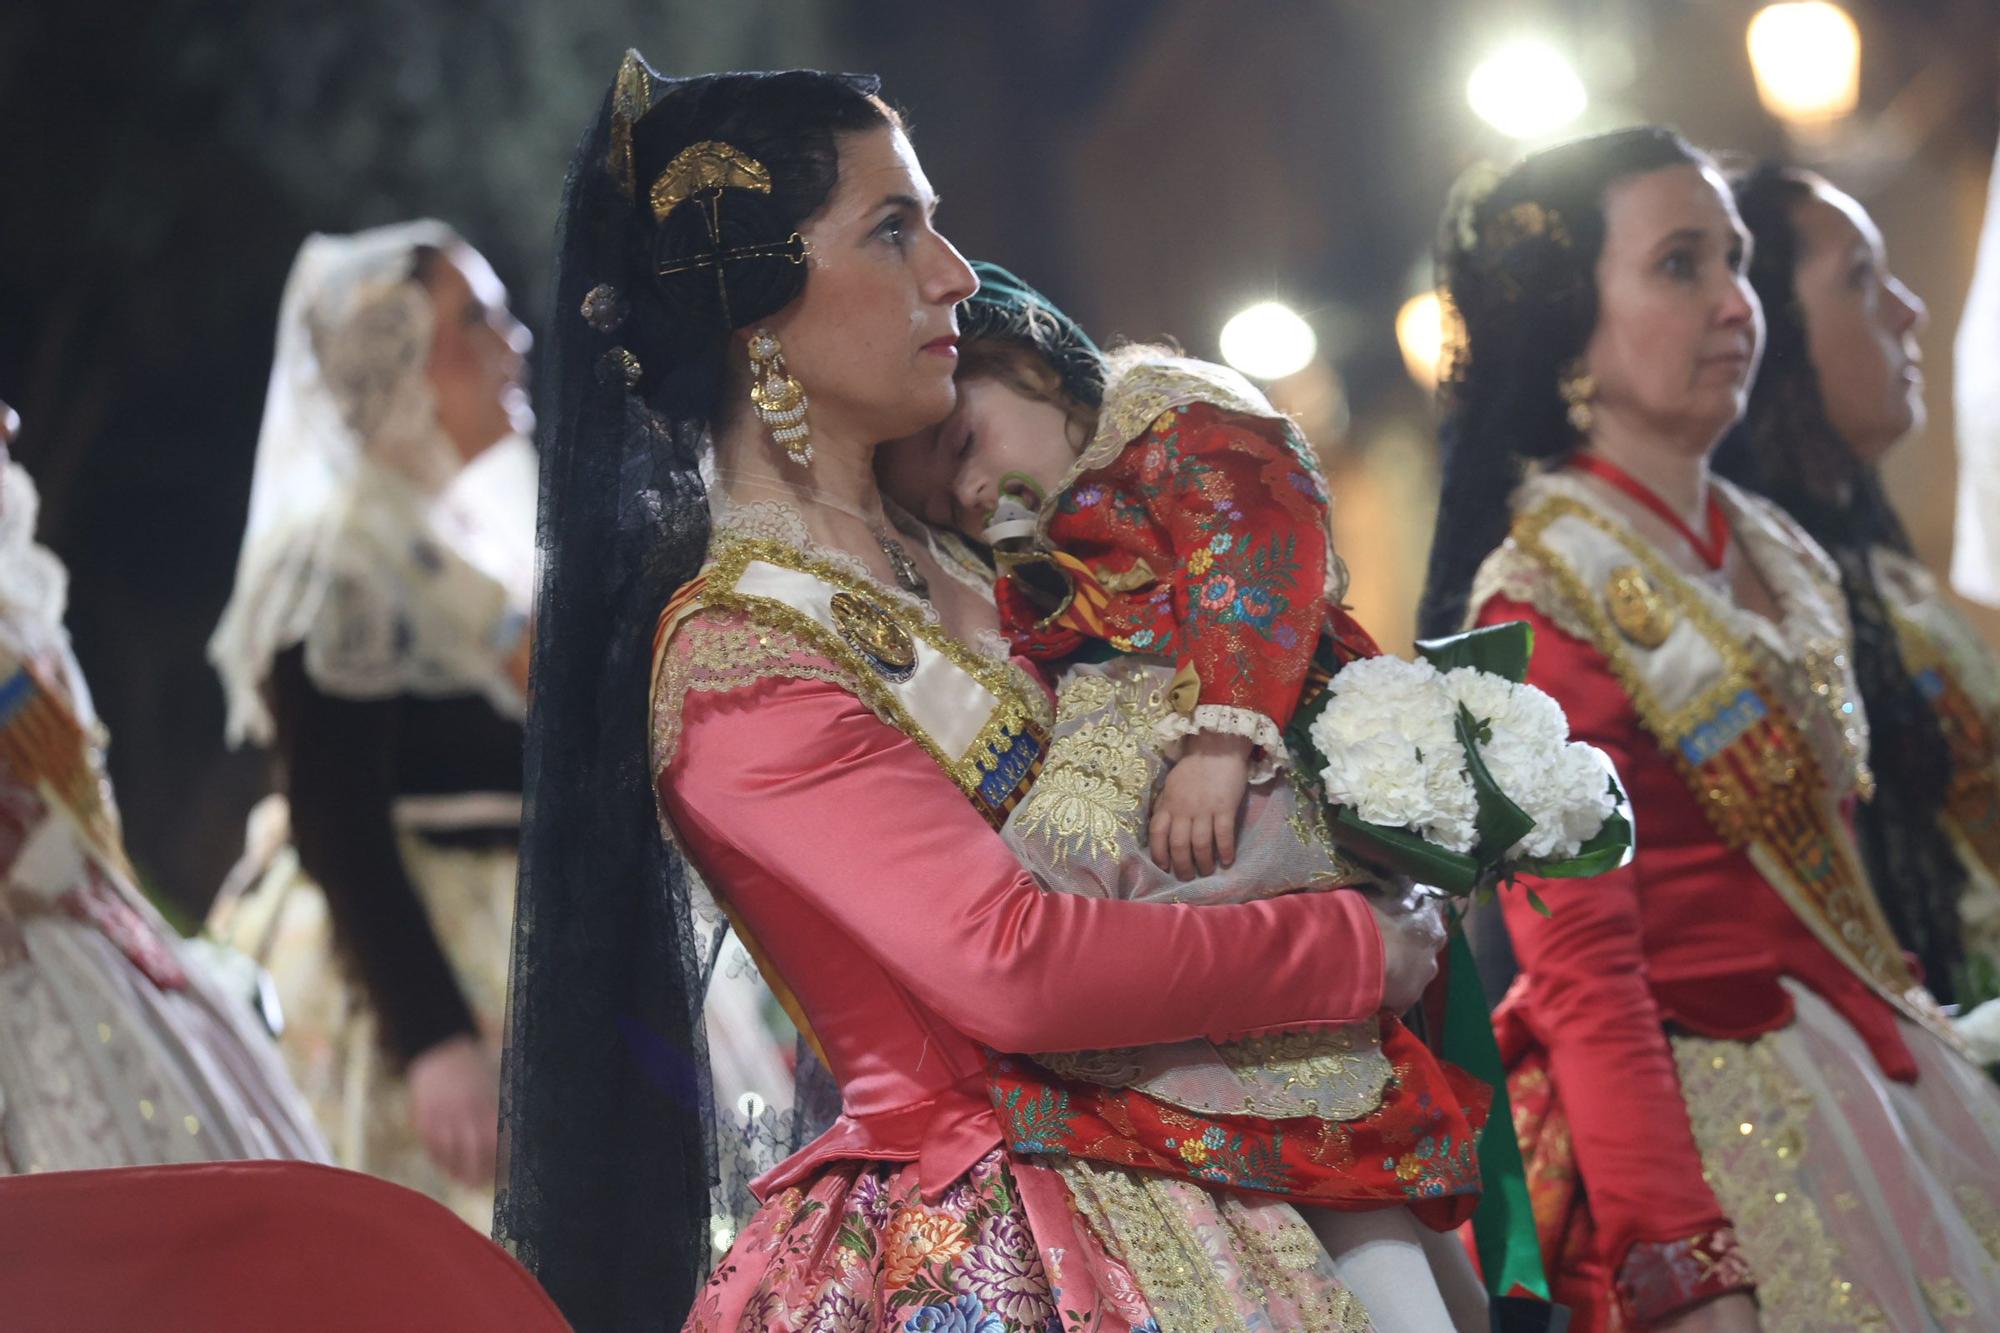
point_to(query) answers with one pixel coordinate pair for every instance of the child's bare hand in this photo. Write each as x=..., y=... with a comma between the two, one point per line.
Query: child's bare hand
x=1194, y=819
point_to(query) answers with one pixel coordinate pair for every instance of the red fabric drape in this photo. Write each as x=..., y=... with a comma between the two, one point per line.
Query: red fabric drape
x=223, y=1246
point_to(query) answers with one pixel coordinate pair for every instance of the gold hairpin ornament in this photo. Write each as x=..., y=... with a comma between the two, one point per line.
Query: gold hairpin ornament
x=706, y=166
x=631, y=99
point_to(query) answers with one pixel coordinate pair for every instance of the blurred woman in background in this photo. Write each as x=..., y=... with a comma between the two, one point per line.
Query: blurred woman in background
x=377, y=637
x=1841, y=385
x=115, y=1048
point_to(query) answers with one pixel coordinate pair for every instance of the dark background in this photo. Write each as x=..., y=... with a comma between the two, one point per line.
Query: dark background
x=1153, y=164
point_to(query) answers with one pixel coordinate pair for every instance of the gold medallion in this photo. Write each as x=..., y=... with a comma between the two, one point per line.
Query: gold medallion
x=1637, y=608
x=876, y=635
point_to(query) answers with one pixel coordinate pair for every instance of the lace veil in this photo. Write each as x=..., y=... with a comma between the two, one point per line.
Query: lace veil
x=360, y=544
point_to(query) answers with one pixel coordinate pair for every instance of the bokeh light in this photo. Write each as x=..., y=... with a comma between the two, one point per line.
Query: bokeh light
x=1420, y=336
x=1268, y=341
x=1526, y=90
x=1807, y=59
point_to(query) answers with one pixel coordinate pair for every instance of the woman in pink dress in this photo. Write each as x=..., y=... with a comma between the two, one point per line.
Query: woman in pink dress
x=739, y=647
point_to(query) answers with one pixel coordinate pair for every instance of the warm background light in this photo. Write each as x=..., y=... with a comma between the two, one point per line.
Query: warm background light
x=1807, y=59
x=1268, y=341
x=1526, y=90
x=1420, y=335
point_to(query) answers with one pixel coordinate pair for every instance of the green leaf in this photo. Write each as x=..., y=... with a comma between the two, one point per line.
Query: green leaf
x=1609, y=850
x=1503, y=650
x=1402, y=852
x=1535, y=901
x=1500, y=822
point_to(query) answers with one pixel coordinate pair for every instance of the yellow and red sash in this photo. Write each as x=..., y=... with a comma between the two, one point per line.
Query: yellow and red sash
x=1767, y=777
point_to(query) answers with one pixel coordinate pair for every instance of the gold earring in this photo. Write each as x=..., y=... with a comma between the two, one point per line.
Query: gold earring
x=1577, y=389
x=778, y=399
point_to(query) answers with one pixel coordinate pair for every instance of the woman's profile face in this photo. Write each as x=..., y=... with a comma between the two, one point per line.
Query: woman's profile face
x=1679, y=330
x=953, y=475
x=874, y=338
x=478, y=354
x=1861, y=325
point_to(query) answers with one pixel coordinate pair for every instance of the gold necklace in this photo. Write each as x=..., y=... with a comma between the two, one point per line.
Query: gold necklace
x=901, y=564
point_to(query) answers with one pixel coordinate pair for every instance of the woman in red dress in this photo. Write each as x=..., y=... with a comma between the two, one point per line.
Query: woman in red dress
x=1740, y=1107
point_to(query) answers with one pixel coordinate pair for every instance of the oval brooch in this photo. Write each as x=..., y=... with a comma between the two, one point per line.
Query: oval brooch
x=874, y=633
x=1637, y=608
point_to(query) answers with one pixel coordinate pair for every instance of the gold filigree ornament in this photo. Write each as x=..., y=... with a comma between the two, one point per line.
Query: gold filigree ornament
x=874, y=633
x=1527, y=220
x=1637, y=608
x=779, y=400
x=631, y=99
x=1578, y=388
x=708, y=165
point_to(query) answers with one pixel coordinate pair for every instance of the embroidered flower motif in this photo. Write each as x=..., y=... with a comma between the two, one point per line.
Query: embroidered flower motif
x=918, y=1239
x=1220, y=543
x=1086, y=495
x=1218, y=592
x=1121, y=1293
x=1004, y=1272
x=962, y=1314
x=764, y=1310
x=870, y=1199
x=1142, y=639
x=836, y=1311
x=1201, y=562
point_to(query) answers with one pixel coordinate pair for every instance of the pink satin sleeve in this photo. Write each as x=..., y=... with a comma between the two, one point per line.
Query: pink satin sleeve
x=837, y=812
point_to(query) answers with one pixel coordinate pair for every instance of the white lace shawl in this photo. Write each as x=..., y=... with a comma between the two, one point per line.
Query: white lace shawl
x=360, y=542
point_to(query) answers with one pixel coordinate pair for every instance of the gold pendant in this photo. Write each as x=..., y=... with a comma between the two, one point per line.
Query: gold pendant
x=874, y=633
x=1637, y=608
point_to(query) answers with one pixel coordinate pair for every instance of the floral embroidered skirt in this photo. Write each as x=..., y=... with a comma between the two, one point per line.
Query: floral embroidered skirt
x=1858, y=1202
x=1357, y=1117
x=1014, y=1247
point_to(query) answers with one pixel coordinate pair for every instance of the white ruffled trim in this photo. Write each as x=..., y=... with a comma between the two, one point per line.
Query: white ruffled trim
x=1267, y=760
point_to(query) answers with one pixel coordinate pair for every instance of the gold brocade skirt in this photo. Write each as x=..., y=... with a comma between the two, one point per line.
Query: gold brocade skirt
x=1859, y=1203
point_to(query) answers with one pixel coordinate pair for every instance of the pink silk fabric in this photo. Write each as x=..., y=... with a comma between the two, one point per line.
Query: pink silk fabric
x=912, y=938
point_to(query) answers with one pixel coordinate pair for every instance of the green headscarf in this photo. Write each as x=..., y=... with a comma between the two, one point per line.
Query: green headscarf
x=1008, y=309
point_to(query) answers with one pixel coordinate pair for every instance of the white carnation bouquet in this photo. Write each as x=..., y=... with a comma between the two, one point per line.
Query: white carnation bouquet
x=1451, y=770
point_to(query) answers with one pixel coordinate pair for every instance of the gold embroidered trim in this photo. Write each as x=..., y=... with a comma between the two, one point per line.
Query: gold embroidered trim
x=714, y=651
x=1972, y=734
x=1511, y=574
x=1339, y=1074
x=1141, y=1222
x=1148, y=389
x=1799, y=847
x=1749, y=1117
x=1017, y=709
x=1091, y=787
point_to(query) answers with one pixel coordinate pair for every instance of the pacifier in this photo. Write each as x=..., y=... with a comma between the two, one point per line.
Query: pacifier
x=1017, y=511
